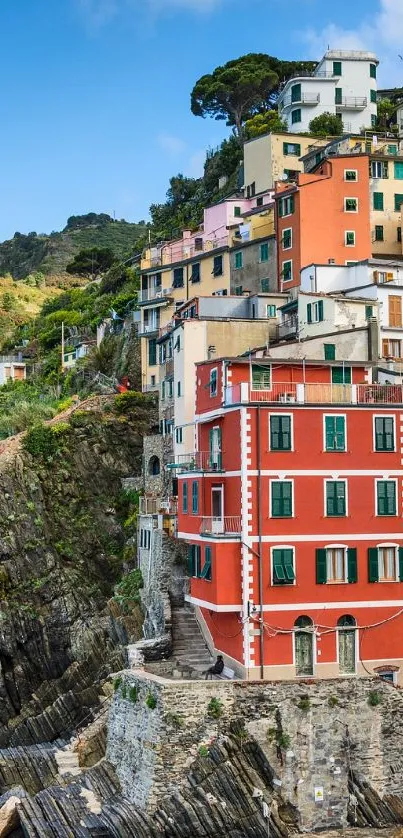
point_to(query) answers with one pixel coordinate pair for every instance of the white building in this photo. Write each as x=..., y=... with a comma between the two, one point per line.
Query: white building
x=11, y=369
x=343, y=83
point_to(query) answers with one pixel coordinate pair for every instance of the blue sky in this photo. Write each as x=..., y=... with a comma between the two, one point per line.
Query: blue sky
x=95, y=109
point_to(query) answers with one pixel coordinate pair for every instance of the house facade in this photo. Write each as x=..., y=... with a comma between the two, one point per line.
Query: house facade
x=273, y=157
x=291, y=509
x=11, y=369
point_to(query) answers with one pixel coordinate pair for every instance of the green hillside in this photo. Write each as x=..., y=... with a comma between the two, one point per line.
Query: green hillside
x=23, y=255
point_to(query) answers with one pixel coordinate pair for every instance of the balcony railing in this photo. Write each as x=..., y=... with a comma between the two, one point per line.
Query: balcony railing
x=226, y=525
x=147, y=294
x=149, y=328
x=197, y=461
x=352, y=103
x=316, y=394
x=303, y=99
x=158, y=505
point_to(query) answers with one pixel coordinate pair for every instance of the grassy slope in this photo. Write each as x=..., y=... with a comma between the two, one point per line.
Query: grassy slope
x=26, y=304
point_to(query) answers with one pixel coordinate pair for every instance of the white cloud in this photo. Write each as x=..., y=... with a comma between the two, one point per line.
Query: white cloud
x=173, y=145
x=383, y=34
x=98, y=13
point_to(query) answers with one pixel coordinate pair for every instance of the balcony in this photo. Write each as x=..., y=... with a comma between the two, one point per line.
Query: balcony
x=304, y=99
x=145, y=295
x=229, y=525
x=287, y=329
x=306, y=74
x=326, y=393
x=198, y=461
x=157, y=506
x=352, y=103
x=148, y=328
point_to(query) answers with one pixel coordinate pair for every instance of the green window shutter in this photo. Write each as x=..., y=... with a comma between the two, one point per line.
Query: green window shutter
x=197, y=560
x=373, y=96
x=320, y=310
x=378, y=200
x=309, y=312
x=281, y=208
x=373, y=567
x=292, y=203
x=330, y=433
x=386, y=497
x=285, y=149
x=276, y=500
x=278, y=567
x=280, y=433
x=330, y=351
x=398, y=202
x=340, y=433
x=206, y=570
x=335, y=498
x=281, y=499
x=338, y=95
x=195, y=497
x=398, y=170
x=341, y=375
x=185, y=497
x=384, y=434
x=264, y=252
x=352, y=574
x=372, y=71
x=191, y=560
x=288, y=560
x=401, y=564
x=321, y=567
x=368, y=312
x=296, y=93
x=389, y=434
x=287, y=498
x=337, y=68
x=264, y=285
x=392, y=149
x=152, y=352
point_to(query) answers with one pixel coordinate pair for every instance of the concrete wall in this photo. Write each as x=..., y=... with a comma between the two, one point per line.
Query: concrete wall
x=250, y=276
x=352, y=345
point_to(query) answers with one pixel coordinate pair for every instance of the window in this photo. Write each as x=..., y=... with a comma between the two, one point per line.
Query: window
x=264, y=285
x=259, y=201
x=341, y=375
x=286, y=206
x=378, y=200
x=237, y=212
x=163, y=391
x=239, y=290
x=152, y=352
x=386, y=497
x=350, y=174
x=350, y=205
x=378, y=233
x=399, y=234
x=349, y=238
x=372, y=96
x=368, y=312
x=283, y=566
x=395, y=311
x=392, y=149
x=179, y=435
x=373, y=120
x=213, y=382
x=194, y=560
x=184, y=497
x=303, y=639
x=239, y=259
x=384, y=433
x=178, y=278
x=391, y=349
x=346, y=643
x=314, y=312
x=281, y=498
x=338, y=96
x=170, y=387
x=379, y=169
x=264, y=252
x=206, y=569
x=218, y=266
x=195, y=497
x=152, y=380
x=335, y=433
x=287, y=238
x=385, y=563
x=215, y=451
x=330, y=351
x=337, y=68
x=387, y=674
x=398, y=170
x=280, y=432
x=398, y=202
x=287, y=271
x=291, y=148
x=372, y=71
x=296, y=93
x=179, y=389
x=271, y=311
x=336, y=564
x=195, y=275
x=261, y=378
x=296, y=116
x=335, y=498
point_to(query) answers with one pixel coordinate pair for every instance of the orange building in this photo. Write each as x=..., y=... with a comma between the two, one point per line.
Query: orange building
x=292, y=512
x=323, y=218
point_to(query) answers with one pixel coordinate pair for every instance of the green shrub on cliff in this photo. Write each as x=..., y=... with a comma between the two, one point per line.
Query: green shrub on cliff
x=40, y=442
x=127, y=592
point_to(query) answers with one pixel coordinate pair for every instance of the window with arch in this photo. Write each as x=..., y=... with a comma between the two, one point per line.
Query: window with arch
x=304, y=637
x=154, y=467
x=346, y=640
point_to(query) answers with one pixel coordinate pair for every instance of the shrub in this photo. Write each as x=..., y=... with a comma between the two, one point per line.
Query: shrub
x=151, y=701
x=332, y=701
x=304, y=703
x=374, y=698
x=174, y=719
x=123, y=691
x=126, y=402
x=40, y=442
x=116, y=683
x=215, y=708
x=60, y=428
x=133, y=694
x=127, y=592
x=203, y=751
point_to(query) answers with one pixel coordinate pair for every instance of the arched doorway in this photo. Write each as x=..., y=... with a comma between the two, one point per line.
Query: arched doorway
x=154, y=467
x=303, y=646
x=346, y=641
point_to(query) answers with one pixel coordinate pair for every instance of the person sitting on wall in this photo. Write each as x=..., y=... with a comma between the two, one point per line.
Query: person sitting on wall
x=216, y=669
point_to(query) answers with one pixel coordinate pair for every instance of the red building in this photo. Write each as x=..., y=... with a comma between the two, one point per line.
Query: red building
x=292, y=512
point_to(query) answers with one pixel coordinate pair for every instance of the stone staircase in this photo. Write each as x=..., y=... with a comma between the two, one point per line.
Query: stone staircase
x=189, y=646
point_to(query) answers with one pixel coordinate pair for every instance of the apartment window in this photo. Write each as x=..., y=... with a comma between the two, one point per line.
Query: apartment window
x=330, y=351
x=259, y=201
x=350, y=205
x=213, y=382
x=286, y=206
x=177, y=344
x=391, y=349
x=373, y=120
x=386, y=497
x=206, y=569
x=152, y=380
x=194, y=560
x=215, y=448
x=398, y=166
x=379, y=169
x=239, y=290
x=184, y=497
x=338, y=96
x=335, y=433
x=280, y=432
x=178, y=278
x=368, y=312
x=399, y=234
x=336, y=564
x=378, y=200
x=337, y=68
x=296, y=93
x=296, y=116
x=170, y=388
x=283, y=566
x=239, y=260
x=314, y=312
x=195, y=275
x=179, y=389
x=372, y=71
x=341, y=375
x=379, y=233
x=385, y=563
x=349, y=238
x=179, y=435
x=218, y=266
x=237, y=212
x=271, y=311
x=287, y=238
x=350, y=175
x=392, y=149
x=395, y=311
x=152, y=352
x=398, y=202
x=335, y=498
x=281, y=499
x=264, y=252
x=195, y=497
x=384, y=433
x=163, y=391
x=292, y=148
x=264, y=285
x=287, y=271
x=372, y=96
x=261, y=378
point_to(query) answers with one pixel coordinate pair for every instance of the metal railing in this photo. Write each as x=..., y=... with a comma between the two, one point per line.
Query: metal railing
x=222, y=525
x=352, y=102
x=198, y=461
x=325, y=393
x=148, y=328
x=303, y=99
x=157, y=505
x=146, y=294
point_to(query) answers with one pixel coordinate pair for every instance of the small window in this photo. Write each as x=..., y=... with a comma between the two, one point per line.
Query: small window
x=369, y=312
x=264, y=252
x=336, y=564
x=378, y=200
x=349, y=238
x=239, y=290
x=372, y=71
x=195, y=497
x=152, y=352
x=374, y=120
x=264, y=285
x=296, y=116
x=350, y=205
x=206, y=569
x=152, y=380
x=239, y=259
x=170, y=388
x=386, y=497
x=350, y=175
x=372, y=96
x=237, y=212
x=315, y=312
x=287, y=271
x=291, y=148
x=283, y=566
x=337, y=68
x=338, y=96
x=341, y=375
x=184, y=498
x=399, y=235
x=281, y=499
x=379, y=233
x=392, y=149
x=213, y=382
x=195, y=275
x=259, y=201
x=154, y=467
x=280, y=432
x=384, y=432
x=286, y=206
x=335, y=433
x=379, y=169
x=330, y=351
x=194, y=560
x=271, y=311
x=398, y=167
x=178, y=278
x=261, y=378
x=388, y=675
x=287, y=238
x=398, y=202
x=178, y=435
x=178, y=389
x=335, y=498
x=385, y=563
x=218, y=266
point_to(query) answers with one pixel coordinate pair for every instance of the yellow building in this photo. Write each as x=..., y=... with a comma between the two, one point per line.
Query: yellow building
x=273, y=157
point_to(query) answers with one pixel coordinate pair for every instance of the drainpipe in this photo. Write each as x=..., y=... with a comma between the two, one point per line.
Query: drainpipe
x=260, y=561
x=187, y=281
